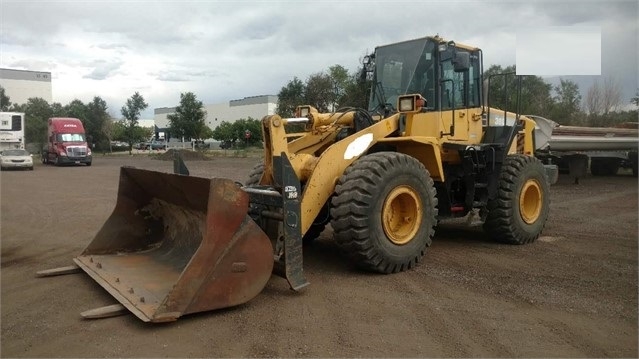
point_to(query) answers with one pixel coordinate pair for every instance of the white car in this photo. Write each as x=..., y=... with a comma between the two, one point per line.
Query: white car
x=16, y=158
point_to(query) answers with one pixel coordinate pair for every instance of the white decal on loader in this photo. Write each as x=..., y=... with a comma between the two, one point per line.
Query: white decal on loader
x=358, y=146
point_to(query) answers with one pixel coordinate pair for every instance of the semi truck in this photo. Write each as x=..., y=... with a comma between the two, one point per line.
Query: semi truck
x=11, y=130
x=66, y=143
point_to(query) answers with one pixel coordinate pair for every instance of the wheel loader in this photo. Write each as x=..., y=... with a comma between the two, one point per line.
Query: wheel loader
x=428, y=147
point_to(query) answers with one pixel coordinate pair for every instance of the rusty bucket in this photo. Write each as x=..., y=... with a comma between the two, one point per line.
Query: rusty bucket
x=178, y=244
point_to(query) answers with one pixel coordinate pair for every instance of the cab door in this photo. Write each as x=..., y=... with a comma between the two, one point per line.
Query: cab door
x=453, y=97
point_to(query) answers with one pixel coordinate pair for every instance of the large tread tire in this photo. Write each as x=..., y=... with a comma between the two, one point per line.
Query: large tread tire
x=509, y=219
x=358, y=207
x=255, y=175
x=316, y=228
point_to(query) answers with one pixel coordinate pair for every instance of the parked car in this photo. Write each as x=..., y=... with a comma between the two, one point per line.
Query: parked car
x=157, y=145
x=152, y=145
x=16, y=158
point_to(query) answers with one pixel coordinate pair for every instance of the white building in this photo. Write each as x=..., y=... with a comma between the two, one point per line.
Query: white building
x=255, y=107
x=21, y=85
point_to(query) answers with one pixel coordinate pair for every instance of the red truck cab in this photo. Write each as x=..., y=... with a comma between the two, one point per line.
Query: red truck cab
x=66, y=142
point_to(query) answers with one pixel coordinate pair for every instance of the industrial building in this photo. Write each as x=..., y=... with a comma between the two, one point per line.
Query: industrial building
x=21, y=85
x=255, y=107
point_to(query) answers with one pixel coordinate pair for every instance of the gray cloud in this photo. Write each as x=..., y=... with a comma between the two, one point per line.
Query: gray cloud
x=222, y=50
x=103, y=70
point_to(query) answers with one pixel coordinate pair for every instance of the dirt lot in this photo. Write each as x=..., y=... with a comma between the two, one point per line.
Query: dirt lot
x=573, y=293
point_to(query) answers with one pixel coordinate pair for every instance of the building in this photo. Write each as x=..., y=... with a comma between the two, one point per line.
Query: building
x=255, y=107
x=21, y=85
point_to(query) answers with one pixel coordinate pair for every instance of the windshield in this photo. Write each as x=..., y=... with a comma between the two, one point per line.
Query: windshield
x=403, y=68
x=15, y=153
x=71, y=137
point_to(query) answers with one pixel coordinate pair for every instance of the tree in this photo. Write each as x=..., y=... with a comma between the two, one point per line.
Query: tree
x=37, y=111
x=96, y=117
x=76, y=109
x=235, y=132
x=535, y=96
x=189, y=118
x=131, y=113
x=250, y=125
x=567, y=103
x=224, y=132
x=592, y=102
x=356, y=91
x=602, y=99
x=611, y=95
x=341, y=79
x=290, y=96
x=5, y=101
x=319, y=92
x=635, y=99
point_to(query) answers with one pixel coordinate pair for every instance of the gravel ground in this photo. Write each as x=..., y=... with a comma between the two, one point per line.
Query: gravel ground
x=573, y=293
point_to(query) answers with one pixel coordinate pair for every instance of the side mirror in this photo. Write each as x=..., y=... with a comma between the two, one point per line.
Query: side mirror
x=461, y=61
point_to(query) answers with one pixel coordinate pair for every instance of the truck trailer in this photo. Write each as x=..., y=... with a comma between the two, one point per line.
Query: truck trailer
x=11, y=130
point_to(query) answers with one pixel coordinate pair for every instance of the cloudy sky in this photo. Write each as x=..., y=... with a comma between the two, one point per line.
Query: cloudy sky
x=224, y=50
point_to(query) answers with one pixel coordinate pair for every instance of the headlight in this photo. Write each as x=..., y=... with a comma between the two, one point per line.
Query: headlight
x=62, y=153
x=410, y=103
x=406, y=104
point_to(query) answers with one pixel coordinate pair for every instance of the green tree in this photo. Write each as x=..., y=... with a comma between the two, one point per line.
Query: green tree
x=356, y=91
x=535, y=96
x=5, y=101
x=96, y=117
x=76, y=109
x=37, y=112
x=341, y=79
x=131, y=113
x=290, y=96
x=250, y=125
x=566, y=109
x=224, y=132
x=320, y=92
x=189, y=118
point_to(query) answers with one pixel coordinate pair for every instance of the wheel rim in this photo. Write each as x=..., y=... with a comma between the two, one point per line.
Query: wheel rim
x=401, y=214
x=530, y=201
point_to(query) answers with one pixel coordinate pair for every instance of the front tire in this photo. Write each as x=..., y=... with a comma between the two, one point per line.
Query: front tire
x=519, y=213
x=384, y=211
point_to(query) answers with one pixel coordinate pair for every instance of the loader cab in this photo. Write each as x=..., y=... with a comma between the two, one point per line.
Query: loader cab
x=446, y=75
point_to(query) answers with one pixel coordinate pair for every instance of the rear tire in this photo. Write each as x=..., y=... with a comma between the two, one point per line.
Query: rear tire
x=519, y=213
x=384, y=211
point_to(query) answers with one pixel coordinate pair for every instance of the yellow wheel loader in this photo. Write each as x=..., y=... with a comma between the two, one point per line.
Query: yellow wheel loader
x=427, y=148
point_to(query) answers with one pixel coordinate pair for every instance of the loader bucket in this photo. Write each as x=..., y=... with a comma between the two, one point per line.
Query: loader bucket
x=178, y=244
